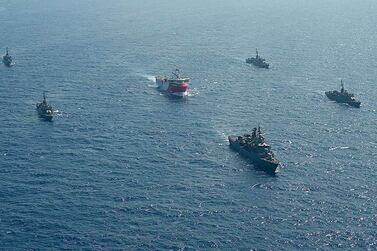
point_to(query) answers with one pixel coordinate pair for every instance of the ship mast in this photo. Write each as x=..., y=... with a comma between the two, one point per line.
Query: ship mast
x=176, y=73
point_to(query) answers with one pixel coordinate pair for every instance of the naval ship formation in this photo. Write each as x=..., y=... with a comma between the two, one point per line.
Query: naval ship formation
x=252, y=146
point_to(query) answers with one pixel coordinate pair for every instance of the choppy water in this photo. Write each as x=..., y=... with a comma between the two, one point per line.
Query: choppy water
x=124, y=167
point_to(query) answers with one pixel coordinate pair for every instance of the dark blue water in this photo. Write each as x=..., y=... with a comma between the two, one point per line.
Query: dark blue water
x=124, y=167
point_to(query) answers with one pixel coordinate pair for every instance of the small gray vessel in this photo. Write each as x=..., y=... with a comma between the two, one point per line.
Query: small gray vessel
x=45, y=110
x=7, y=59
x=343, y=96
x=255, y=148
x=258, y=61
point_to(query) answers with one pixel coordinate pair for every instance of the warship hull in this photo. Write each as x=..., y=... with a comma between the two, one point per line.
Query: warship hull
x=264, y=164
x=173, y=87
x=45, y=116
x=341, y=99
x=257, y=63
x=7, y=62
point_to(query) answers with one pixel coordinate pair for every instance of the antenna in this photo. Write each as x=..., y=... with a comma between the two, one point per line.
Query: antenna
x=176, y=73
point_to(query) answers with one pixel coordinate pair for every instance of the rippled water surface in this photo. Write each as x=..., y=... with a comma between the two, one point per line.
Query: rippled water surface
x=124, y=167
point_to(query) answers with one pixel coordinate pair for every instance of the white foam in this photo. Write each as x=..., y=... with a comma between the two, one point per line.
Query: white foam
x=150, y=78
x=338, y=147
x=193, y=92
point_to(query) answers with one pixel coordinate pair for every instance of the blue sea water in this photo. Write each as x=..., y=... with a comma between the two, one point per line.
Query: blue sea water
x=125, y=167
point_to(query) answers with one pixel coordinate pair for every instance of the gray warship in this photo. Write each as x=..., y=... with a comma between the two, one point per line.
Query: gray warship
x=7, y=59
x=45, y=110
x=255, y=149
x=258, y=61
x=343, y=96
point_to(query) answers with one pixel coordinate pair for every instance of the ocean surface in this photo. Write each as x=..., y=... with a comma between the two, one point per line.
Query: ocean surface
x=124, y=167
